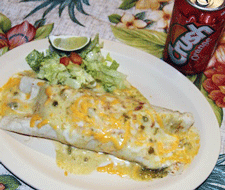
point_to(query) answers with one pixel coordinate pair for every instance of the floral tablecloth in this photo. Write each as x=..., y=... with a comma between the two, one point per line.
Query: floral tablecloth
x=133, y=22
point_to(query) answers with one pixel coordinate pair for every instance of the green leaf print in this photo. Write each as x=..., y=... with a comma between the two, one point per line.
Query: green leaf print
x=39, y=23
x=49, y=5
x=140, y=15
x=127, y=4
x=10, y=182
x=43, y=31
x=192, y=78
x=114, y=18
x=150, y=41
x=5, y=23
x=3, y=50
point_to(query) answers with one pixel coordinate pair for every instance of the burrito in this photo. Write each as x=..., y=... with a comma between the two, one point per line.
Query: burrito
x=121, y=123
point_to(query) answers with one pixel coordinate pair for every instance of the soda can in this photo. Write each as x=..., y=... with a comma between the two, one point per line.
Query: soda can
x=195, y=29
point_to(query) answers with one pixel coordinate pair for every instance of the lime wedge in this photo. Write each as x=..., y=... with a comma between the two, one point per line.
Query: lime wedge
x=68, y=43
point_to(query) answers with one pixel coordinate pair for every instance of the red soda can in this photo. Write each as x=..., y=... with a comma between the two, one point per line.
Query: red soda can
x=195, y=29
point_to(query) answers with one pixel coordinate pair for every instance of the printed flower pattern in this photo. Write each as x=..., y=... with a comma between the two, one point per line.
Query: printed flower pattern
x=3, y=40
x=161, y=18
x=158, y=18
x=2, y=186
x=131, y=22
x=19, y=35
x=215, y=73
x=150, y=4
x=11, y=37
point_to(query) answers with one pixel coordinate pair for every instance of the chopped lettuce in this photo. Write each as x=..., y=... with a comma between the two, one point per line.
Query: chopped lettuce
x=48, y=67
x=53, y=72
x=93, y=46
x=34, y=59
x=37, y=59
x=94, y=68
x=104, y=71
x=81, y=76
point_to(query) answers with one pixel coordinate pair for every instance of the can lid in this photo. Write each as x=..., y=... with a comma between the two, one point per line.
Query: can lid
x=202, y=3
x=208, y=4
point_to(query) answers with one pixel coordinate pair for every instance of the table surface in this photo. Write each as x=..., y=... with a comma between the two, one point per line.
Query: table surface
x=101, y=15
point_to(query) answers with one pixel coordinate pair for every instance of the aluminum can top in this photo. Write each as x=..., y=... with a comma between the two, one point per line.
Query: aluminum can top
x=195, y=28
x=207, y=5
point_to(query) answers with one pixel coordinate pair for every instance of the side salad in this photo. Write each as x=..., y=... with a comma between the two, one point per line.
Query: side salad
x=78, y=69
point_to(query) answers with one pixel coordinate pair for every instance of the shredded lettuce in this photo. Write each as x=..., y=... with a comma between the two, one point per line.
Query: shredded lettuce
x=93, y=46
x=104, y=71
x=53, y=72
x=81, y=76
x=34, y=59
x=95, y=68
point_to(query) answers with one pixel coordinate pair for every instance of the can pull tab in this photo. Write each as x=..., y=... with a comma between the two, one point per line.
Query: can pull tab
x=202, y=3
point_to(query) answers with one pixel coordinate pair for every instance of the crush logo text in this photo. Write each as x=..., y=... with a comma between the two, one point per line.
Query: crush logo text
x=180, y=51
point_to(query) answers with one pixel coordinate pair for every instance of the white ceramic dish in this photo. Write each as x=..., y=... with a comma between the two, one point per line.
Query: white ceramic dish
x=33, y=159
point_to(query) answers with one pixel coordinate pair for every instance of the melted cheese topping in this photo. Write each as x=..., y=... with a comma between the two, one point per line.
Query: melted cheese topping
x=122, y=123
x=93, y=111
x=33, y=120
x=78, y=161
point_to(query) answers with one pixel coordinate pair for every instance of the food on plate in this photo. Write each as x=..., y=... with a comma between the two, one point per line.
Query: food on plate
x=94, y=67
x=91, y=106
x=121, y=123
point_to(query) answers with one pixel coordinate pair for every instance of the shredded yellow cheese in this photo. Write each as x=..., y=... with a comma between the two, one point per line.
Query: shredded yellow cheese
x=34, y=118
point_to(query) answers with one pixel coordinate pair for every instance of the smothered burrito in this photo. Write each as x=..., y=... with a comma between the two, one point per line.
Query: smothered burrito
x=121, y=123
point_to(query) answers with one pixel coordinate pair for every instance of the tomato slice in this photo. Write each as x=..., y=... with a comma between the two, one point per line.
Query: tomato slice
x=73, y=57
x=76, y=58
x=65, y=60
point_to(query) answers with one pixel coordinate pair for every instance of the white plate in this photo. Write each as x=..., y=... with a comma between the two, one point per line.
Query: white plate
x=33, y=160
